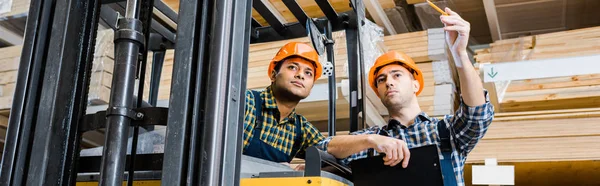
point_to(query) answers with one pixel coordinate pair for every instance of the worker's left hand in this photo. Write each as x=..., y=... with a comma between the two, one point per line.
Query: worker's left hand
x=457, y=34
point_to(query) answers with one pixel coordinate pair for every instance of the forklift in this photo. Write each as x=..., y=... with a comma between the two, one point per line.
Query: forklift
x=203, y=118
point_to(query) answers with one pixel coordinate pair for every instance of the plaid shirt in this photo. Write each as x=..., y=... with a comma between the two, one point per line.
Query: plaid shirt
x=279, y=135
x=467, y=127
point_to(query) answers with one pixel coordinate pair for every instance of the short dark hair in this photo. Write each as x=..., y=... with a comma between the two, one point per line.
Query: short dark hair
x=278, y=65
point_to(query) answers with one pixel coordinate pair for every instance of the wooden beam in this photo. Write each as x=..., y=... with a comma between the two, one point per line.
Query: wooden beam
x=544, y=68
x=275, y=12
x=492, y=17
x=379, y=16
x=10, y=37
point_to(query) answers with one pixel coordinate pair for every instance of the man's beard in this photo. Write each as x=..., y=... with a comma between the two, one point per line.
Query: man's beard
x=284, y=94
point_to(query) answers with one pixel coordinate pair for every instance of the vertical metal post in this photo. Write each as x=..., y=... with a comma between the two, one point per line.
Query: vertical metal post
x=356, y=67
x=128, y=41
x=353, y=75
x=182, y=145
x=331, y=79
x=234, y=115
x=158, y=58
x=215, y=108
x=22, y=121
x=65, y=67
x=146, y=17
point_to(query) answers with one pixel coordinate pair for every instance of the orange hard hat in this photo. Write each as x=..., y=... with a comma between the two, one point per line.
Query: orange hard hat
x=394, y=57
x=297, y=49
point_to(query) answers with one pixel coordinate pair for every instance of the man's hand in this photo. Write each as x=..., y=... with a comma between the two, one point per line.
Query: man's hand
x=395, y=150
x=457, y=35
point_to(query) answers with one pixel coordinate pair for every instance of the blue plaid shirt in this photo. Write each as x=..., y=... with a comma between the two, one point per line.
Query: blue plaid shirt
x=467, y=126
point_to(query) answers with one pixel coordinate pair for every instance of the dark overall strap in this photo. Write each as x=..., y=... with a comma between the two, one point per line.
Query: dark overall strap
x=444, y=137
x=299, y=136
x=259, y=124
x=446, y=148
x=258, y=104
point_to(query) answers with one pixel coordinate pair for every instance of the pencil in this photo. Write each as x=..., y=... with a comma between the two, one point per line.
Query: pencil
x=437, y=8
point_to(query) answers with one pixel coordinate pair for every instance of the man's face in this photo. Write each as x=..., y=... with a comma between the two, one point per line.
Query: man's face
x=395, y=85
x=295, y=78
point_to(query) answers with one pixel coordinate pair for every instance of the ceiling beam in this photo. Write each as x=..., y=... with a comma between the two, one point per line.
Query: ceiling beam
x=10, y=37
x=328, y=10
x=269, y=6
x=492, y=18
x=271, y=15
x=379, y=16
x=298, y=12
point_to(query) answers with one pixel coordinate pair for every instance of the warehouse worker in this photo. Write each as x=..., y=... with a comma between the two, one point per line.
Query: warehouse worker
x=398, y=81
x=272, y=129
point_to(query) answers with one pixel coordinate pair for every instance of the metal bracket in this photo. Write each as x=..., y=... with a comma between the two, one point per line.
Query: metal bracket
x=122, y=111
x=144, y=117
x=329, y=41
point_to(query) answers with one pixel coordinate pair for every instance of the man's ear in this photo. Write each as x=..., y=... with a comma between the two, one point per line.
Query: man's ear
x=273, y=74
x=416, y=86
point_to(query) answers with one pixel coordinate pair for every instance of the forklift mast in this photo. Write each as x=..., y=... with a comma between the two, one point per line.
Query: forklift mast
x=203, y=143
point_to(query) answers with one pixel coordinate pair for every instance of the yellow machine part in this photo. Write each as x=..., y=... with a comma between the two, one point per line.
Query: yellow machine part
x=292, y=181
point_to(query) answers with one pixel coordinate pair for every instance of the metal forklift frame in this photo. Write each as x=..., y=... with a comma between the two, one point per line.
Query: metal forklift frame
x=48, y=116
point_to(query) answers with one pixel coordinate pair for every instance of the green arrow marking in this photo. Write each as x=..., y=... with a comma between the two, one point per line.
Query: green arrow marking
x=492, y=74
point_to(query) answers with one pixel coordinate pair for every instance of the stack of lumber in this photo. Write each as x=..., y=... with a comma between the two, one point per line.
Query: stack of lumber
x=570, y=43
x=581, y=91
x=104, y=59
x=100, y=83
x=437, y=98
x=559, y=135
x=9, y=64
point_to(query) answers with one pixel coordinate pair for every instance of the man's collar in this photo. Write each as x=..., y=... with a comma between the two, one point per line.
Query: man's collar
x=393, y=123
x=271, y=103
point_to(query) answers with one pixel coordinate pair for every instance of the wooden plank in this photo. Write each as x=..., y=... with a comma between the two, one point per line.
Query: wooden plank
x=548, y=127
x=377, y=13
x=550, y=173
x=544, y=112
x=8, y=77
x=10, y=37
x=7, y=89
x=575, y=103
x=538, y=149
x=10, y=52
x=492, y=17
x=6, y=102
x=549, y=116
x=553, y=94
x=9, y=64
x=551, y=83
x=274, y=11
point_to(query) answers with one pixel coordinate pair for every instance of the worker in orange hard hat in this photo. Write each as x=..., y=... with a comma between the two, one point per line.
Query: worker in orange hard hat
x=272, y=129
x=397, y=80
